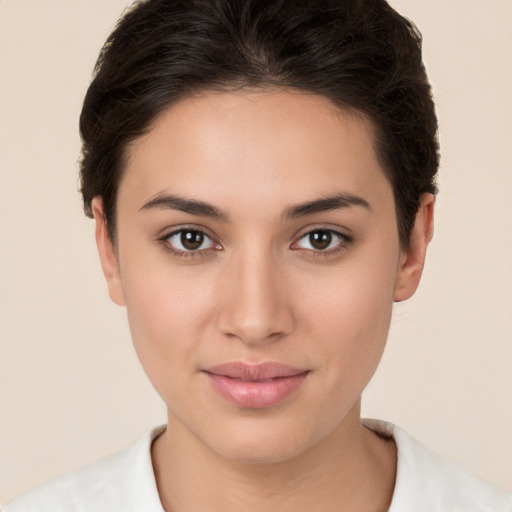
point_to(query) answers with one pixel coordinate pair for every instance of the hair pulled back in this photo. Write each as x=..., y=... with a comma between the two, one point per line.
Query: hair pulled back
x=360, y=54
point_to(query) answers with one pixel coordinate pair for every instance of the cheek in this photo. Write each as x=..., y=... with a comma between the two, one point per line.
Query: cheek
x=167, y=312
x=349, y=317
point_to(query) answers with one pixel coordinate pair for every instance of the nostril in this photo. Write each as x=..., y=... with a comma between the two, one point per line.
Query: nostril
x=256, y=329
x=253, y=305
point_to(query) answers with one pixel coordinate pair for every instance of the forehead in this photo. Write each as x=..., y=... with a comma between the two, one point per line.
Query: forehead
x=269, y=144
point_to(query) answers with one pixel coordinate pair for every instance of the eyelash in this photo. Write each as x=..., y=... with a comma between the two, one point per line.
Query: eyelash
x=180, y=253
x=344, y=241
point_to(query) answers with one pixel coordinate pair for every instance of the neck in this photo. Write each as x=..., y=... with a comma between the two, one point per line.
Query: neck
x=351, y=469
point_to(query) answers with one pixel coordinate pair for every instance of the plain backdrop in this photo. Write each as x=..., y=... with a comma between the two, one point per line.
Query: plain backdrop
x=71, y=389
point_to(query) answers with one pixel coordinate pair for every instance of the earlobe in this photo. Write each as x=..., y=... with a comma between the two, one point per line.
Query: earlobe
x=413, y=258
x=107, y=254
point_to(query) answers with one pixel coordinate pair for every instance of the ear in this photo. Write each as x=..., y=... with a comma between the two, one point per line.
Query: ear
x=412, y=259
x=108, y=257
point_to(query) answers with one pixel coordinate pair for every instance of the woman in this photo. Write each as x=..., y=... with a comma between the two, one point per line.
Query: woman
x=262, y=178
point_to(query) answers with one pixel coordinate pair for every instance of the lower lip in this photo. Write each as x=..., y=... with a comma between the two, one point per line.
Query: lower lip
x=256, y=394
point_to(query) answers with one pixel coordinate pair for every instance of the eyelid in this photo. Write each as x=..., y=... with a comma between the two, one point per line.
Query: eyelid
x=342, y=231
x=167, y=233
x=172, y=230
x=344, y=241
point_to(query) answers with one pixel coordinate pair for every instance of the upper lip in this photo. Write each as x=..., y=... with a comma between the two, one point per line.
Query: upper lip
x=254, y=372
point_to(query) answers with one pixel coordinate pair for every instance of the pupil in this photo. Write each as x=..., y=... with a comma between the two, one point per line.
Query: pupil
x=192, y=240
x=320, y=239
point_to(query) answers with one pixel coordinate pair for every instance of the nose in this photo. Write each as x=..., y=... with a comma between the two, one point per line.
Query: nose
x=253, y=300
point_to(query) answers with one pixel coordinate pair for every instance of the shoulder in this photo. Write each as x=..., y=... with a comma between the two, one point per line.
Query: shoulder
x=116, y=483
x=427, y=481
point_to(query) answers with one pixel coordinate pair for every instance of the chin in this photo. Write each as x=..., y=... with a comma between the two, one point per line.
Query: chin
x=262, y=451
x=263, y=440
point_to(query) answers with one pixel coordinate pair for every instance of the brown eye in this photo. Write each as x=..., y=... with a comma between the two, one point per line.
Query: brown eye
x=189, y=240
x=320, y=240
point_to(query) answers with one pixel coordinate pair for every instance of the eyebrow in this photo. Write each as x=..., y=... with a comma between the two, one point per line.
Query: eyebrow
x=325, y=204
x=182, y=204
x=200, y=208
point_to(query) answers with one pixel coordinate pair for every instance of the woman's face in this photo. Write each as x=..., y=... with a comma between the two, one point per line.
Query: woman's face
x=258, y=257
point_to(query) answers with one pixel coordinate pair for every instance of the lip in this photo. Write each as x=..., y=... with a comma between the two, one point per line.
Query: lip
x=255, y=386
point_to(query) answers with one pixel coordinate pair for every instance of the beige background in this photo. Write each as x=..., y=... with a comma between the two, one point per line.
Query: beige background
x=71, y=389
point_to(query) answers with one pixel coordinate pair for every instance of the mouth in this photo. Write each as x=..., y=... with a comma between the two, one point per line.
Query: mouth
x=255, y=386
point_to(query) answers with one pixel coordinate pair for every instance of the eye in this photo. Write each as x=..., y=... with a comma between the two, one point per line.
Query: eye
x=190, y=240
x=322, y=240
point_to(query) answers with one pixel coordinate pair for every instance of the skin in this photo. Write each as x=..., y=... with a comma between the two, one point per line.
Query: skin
x=259, y=291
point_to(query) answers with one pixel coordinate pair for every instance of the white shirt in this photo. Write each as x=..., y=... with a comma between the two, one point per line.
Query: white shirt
x=125, y=482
